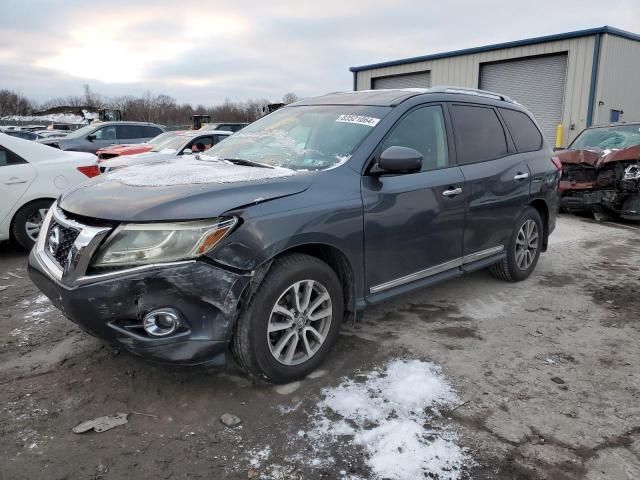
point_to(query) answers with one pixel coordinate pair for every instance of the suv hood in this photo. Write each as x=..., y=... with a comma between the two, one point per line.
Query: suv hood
x=49, y=141
x=180, y=190
x=60, y=143
x=596, y=157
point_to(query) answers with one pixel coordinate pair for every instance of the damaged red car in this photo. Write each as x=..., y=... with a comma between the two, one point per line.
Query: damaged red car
x=156, y=143
x=601, y=172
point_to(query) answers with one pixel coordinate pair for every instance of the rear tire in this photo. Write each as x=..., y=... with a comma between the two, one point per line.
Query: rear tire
x=523, y=250
x=276, y=336
x=27, y=221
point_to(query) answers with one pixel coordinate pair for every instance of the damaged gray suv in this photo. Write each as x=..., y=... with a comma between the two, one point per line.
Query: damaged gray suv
x=272, y=239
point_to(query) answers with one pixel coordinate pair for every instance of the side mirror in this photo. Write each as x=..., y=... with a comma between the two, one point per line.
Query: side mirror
x=91, y=137
x=187, y=151
x=399, y=159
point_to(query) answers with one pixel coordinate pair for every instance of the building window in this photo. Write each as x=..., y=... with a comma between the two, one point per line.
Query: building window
x=614, y=116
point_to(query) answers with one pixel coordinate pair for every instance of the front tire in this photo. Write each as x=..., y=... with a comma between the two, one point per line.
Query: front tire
x=523, y=250
x=27, y=222
x=292, y=321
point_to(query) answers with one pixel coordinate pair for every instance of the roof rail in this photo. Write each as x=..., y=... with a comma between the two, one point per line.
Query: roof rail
x=472, y=91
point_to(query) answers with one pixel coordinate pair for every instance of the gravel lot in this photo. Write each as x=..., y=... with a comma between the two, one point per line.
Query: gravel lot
x=545, y=373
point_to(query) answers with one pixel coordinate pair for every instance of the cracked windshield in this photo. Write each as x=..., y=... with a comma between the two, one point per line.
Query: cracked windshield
x=302, y=138
x=608, y=137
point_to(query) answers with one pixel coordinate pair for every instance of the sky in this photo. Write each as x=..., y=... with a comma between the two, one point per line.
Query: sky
x=202, y=51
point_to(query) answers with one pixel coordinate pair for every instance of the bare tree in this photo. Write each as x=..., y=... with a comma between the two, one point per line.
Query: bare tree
x=290, y=97
x=93, y=99
x=148, y=107
x=12, y=103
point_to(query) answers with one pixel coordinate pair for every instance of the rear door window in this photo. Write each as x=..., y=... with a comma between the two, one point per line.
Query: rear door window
x=129, y=132
x=478, y=132
x=523, y=131
x=106, y=133
x=422, y=129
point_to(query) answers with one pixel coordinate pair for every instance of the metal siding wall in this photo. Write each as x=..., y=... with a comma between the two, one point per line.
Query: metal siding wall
x=463, y=71
x=618, y=77
x=538, y=83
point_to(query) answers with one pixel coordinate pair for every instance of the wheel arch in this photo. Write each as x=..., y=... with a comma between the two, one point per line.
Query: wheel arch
x=331, y=255
x=543, y=209
x=13, y=217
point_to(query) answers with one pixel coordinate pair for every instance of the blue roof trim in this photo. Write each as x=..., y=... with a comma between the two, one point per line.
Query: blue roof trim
x=518, y=43
x=594, y=79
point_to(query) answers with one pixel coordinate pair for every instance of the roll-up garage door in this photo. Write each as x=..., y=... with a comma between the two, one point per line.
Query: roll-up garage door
x=409, y=80
x=537, y=83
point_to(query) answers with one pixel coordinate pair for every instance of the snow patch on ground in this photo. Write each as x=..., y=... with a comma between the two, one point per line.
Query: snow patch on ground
x=260, y=456
x=36, y=318
x=187, y=172
x=390, y=416
x=286, y=409
x=25, y=413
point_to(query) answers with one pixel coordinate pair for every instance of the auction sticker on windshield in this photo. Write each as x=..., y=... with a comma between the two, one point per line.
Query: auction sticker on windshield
x=359, y=119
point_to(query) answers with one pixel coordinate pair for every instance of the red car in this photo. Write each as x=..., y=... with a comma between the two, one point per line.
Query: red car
x=131, y=149
x=601, y=172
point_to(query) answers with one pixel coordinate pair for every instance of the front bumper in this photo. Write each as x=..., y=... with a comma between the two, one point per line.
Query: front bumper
x=581, y=200
x=625, y=204
x=112, y=305
x=204, y=296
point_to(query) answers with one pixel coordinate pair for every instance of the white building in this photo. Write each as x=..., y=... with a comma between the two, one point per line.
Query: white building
x=575, y=79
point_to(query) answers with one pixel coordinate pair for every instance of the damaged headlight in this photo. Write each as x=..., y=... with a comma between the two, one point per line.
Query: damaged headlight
x=632, y=172
x=142, y=244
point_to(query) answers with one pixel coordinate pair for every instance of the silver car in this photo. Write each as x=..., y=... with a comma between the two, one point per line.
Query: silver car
x=99, y=135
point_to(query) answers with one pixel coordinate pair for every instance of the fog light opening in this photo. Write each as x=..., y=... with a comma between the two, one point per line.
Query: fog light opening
x=160, y=323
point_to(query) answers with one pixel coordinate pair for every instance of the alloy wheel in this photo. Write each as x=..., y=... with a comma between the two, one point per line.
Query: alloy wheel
x=526, y=244
x=299, y=322
x=34, y=223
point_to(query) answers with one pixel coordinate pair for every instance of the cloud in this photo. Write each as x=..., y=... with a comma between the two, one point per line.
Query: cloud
x=203, y=52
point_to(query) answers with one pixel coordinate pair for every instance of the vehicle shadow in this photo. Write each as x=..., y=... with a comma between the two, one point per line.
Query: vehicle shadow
x=10, y=250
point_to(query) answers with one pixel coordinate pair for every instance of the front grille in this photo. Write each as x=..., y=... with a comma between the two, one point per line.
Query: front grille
x=67, y=236
x=578, y=173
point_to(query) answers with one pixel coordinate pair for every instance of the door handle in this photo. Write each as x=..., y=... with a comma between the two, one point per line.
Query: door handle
x=452, y=192
x=521, y=176
x=14, y=181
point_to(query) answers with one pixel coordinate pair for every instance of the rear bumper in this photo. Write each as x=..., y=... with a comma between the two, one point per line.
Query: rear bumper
x=204, y=296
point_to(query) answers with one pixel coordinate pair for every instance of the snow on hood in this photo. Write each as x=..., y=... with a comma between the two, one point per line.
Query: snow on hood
x=190, y=171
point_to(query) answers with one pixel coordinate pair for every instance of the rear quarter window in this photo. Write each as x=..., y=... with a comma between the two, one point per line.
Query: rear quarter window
x=7, y=157
x=151, y=132
x=478, y=132
x=523, y=131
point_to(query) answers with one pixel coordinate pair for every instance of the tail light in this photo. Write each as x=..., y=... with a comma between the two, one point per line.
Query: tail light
x=90, y=170
x=558, y=164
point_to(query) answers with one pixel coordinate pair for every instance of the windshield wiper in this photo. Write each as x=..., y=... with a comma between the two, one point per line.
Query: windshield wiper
x=246, y=163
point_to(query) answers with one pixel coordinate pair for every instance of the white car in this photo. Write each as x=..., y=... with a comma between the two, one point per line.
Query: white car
x=32, y=176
